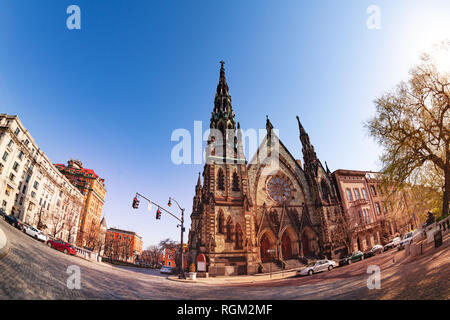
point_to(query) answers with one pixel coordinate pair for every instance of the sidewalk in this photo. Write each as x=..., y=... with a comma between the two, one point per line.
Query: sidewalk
x=259, y=277
x=400, y=259
x=4, y=245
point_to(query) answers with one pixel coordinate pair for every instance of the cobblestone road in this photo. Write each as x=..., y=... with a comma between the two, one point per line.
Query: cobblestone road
x=31, y=270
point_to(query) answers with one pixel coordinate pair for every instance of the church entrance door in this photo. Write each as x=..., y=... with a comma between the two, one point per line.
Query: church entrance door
x=264, y=246
x=286, y=247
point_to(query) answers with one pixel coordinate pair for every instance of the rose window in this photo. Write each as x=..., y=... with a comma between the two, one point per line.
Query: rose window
x=279, y=188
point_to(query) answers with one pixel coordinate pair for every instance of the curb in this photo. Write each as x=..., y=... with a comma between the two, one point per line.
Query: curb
x=4, y=244
x=186, y=280
x=228, y=281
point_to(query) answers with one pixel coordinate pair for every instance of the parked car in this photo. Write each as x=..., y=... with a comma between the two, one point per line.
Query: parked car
x=318, y=266
x=368, y=254
x=2, y=212
x=14, y=222
x=62, y=246
x=35, y=233
x=392, y=244
x=355, y=256
x=166, y=269
x=408, y=238
x=376, y=249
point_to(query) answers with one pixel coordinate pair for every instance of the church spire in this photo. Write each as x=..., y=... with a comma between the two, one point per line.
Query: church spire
x=309, y=155
x=222, y=116
x=222, y=87
x=199, y=183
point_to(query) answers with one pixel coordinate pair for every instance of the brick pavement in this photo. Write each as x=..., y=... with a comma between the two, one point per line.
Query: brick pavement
x=32, y=270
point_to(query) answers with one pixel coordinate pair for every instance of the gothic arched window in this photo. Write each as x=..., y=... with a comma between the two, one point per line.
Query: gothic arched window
x=220, y=223
x=220, y=180
x=239, y=240
x=325, y=191
x=229, y=230
x=235, y=182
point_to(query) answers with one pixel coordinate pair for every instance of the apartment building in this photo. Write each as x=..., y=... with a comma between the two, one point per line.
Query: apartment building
x=32, y=188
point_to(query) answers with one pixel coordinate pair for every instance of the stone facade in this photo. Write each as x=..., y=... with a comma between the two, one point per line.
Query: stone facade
x=94, y=191
x=31, y=188
x=272, y=209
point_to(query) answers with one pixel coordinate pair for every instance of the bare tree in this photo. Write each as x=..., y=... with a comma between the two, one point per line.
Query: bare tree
x=127, y=248
x=41, y=217
x=71, y=227
x=168, y=244
x=343, y=230
x=412, y=124
x=92, y=237
x=58, y=221
x=154, y=253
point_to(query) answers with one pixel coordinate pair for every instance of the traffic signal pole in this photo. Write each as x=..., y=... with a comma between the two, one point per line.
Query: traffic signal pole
x=182, y=275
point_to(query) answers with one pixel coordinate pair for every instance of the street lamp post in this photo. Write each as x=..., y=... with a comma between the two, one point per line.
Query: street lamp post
x=182, y=275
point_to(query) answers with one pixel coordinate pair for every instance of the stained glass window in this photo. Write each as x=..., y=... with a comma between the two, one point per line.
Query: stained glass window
x=278, y=187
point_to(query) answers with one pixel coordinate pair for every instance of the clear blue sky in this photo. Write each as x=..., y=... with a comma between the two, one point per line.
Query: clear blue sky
x=111, y=93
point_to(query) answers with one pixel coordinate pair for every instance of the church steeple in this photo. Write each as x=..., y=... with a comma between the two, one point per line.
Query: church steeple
x=222, y=117
x=222, y=87
x=198, y=187
x=309, y=155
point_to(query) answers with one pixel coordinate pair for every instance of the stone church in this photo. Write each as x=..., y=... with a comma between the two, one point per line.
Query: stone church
x=247, y=215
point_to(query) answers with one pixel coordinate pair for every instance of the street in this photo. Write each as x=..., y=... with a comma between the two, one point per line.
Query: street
x=31, y=270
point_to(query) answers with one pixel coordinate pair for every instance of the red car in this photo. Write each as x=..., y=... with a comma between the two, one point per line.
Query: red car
x=62, y=246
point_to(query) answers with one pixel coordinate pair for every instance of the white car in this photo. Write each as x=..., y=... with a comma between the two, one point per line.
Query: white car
x=394, y=242
x=318, y=266
x=378, y=248
x=408, y=238
x=35, y=233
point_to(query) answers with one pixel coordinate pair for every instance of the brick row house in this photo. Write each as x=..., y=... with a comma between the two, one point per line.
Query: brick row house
x=123, y=245
x=363, y=204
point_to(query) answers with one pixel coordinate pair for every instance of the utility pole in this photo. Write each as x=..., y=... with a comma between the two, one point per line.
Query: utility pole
x=135, y=205
x=182, y=274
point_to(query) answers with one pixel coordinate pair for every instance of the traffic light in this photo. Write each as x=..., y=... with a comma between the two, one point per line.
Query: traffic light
x=135, y=203
x=158, y=214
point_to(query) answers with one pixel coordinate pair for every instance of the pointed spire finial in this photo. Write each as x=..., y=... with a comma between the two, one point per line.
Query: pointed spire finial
x=269, y=125
x=222, y=87
x=300, y=127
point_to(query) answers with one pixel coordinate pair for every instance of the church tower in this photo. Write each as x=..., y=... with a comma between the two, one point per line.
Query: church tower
x=323, y=191
x=221, y=220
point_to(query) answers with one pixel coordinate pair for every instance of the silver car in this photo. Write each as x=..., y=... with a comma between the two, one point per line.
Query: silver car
x=35, y=233
x=378, y=248
x=408, y=238
x=318, y=266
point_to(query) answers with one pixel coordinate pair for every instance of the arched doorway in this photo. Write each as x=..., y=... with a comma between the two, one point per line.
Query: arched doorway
x=286, y=246
x=263, y=247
